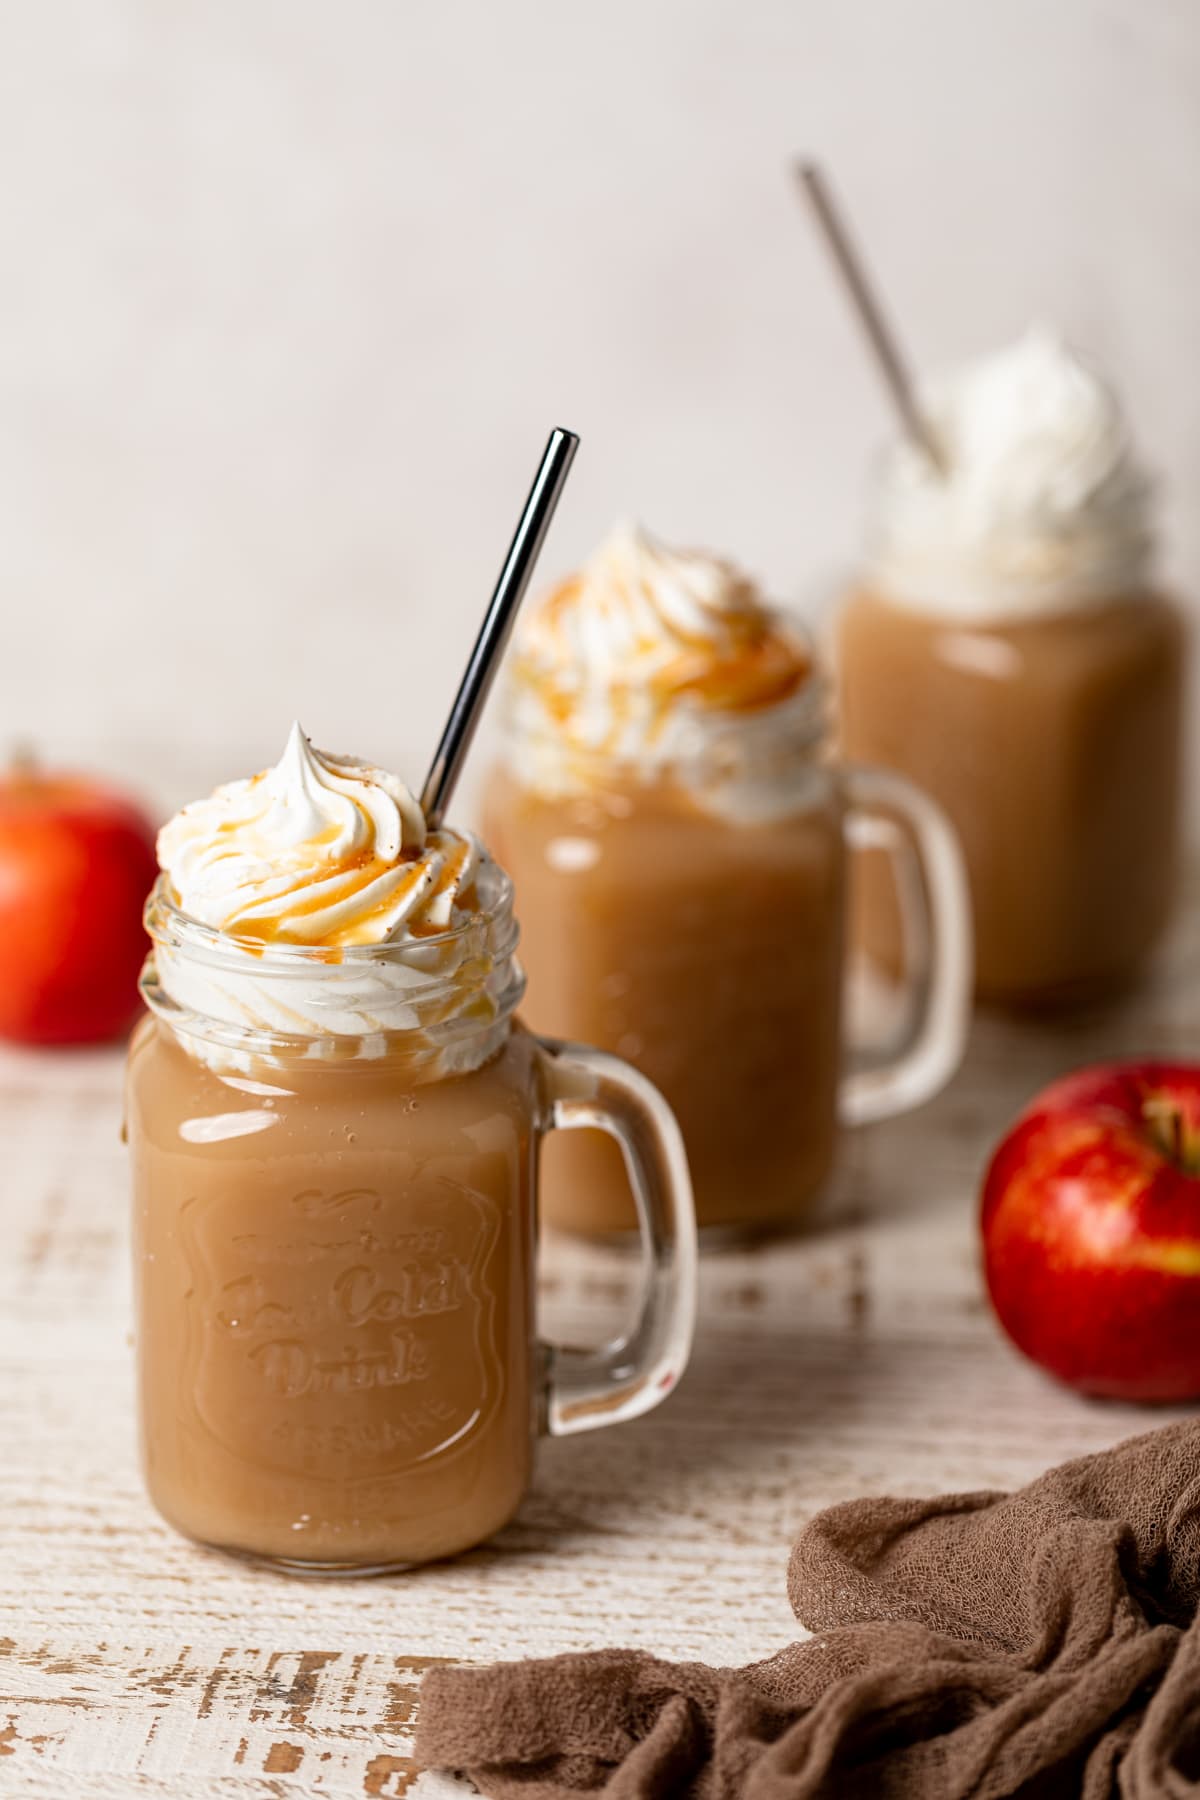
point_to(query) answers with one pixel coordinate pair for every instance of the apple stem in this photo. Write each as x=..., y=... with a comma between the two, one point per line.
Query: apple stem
x=1169, y=1128
x=23, y=758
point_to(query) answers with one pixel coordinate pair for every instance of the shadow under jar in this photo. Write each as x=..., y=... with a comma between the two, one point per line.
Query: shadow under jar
x=1052, y=742
x=692, y=921
x=334, y=1243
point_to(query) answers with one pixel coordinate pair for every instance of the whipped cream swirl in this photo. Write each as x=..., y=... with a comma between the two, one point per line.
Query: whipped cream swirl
x=312, y=901
x=320, y=849
x=644, y=658
x=1043, y=506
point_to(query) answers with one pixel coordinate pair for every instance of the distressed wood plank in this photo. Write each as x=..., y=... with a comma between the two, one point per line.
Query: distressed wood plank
x=858, y=1358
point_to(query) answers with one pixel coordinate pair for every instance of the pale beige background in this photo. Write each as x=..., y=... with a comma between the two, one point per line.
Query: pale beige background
x=290, y=293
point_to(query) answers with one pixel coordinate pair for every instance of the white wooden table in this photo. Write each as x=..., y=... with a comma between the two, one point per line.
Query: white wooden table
x=859, y=1359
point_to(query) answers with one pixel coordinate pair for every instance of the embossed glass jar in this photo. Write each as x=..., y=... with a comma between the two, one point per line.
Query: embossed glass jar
x=334, y=1236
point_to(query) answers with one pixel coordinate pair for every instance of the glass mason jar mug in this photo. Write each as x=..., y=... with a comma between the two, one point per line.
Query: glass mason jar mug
x=1006, y=645
x=334, y=1241
x=692, y=921
x=1052, y=739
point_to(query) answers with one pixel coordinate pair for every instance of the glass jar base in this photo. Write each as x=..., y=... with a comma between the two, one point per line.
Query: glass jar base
x=316, y=1571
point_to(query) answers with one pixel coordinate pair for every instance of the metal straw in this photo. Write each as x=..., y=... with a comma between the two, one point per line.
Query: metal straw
x=498, y=621
x=880, y=336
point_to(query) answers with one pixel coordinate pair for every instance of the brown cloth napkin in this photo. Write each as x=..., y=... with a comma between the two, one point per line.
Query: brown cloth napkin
x=1042, y=1643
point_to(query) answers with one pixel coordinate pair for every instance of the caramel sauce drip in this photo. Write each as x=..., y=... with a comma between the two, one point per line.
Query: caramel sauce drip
x=257, y=935
x=768, y=668
x=761, y=665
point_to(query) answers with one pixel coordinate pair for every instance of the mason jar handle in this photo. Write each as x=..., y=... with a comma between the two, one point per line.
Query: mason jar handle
x=887, y=812
x=589, y=1090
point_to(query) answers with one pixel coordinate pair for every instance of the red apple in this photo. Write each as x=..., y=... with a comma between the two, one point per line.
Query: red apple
x=76, y=863
x=1091, y=1231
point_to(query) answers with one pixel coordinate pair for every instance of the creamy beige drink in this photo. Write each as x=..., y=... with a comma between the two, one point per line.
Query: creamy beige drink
x=674, y=826
x=336, y=1324
x=722, y=983
x=1007, y=651
x=334, y=1127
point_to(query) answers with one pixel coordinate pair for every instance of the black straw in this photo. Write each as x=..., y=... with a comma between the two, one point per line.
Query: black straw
x=498, y=621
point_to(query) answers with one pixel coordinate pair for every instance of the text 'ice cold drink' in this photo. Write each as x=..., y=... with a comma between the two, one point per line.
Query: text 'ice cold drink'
x=334, y=1124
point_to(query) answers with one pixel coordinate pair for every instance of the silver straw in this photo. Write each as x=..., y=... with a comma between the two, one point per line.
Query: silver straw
x=498, y=621
x=866, y=302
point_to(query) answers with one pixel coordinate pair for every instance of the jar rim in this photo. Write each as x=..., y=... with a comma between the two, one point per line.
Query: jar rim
x=167, y=923
x=444, y=1000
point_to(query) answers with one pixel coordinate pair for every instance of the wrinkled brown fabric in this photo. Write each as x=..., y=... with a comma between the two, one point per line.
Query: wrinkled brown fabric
x=1043, y=1644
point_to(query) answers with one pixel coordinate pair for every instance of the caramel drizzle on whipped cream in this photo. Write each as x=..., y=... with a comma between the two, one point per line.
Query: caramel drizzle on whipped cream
x=641, y=632
x=320, y=850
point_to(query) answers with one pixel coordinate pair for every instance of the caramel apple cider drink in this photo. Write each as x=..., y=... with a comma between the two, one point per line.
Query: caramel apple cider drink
x=334, y=1121
x=1007, y=649
x=676, y=829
